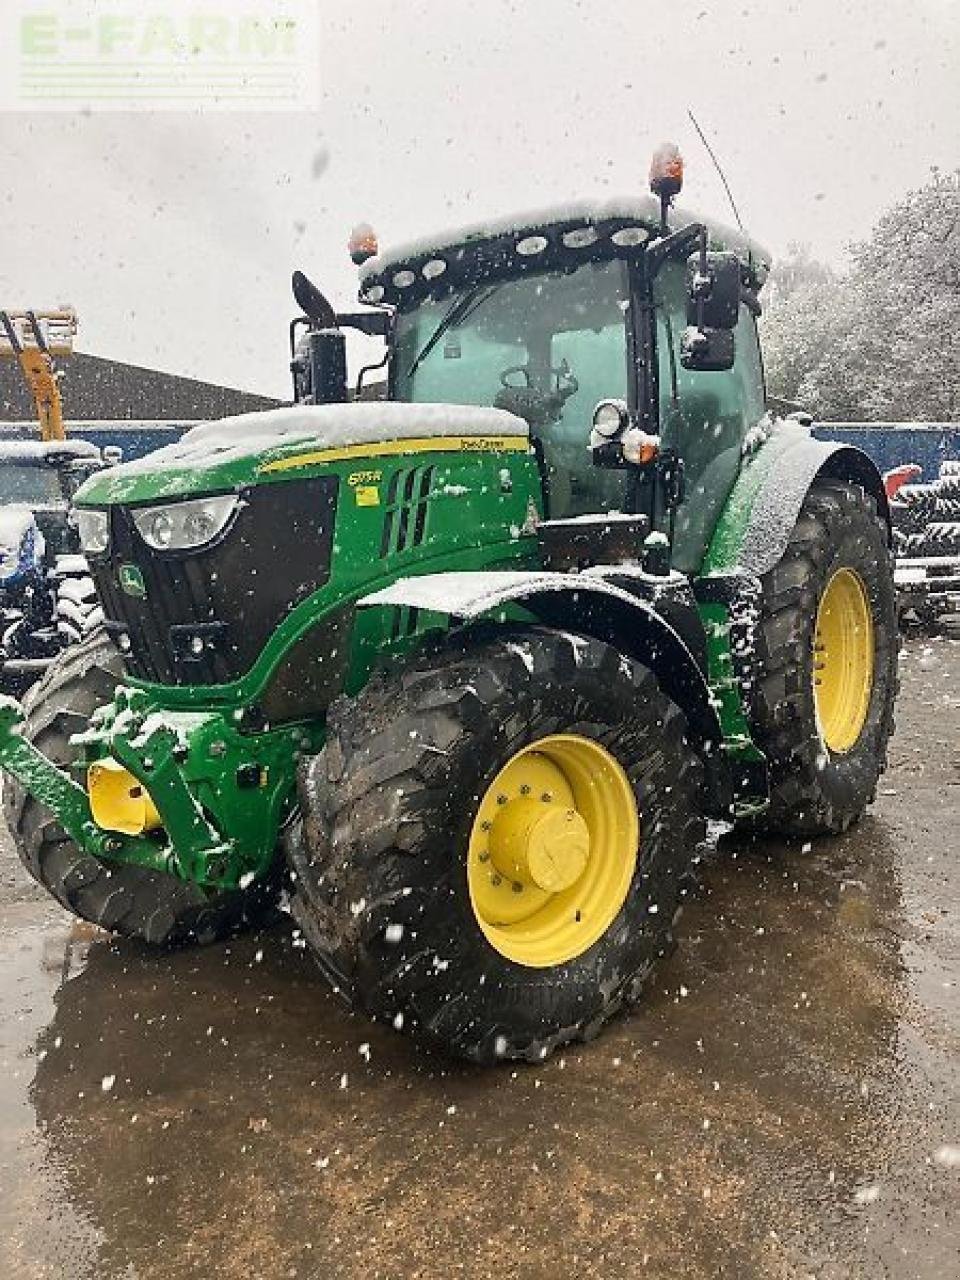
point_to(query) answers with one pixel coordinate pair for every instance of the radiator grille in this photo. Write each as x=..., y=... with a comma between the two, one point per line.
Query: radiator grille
x=204, y=616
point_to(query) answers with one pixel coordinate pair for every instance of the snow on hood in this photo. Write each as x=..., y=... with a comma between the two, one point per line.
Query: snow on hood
x=326, y=426
x=14, y=523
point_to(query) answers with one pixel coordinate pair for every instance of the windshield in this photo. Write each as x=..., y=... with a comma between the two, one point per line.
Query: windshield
x=31, y=485
x=546, y=347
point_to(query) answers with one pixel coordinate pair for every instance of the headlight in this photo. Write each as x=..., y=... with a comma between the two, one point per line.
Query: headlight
x=180, y=526
x=94, y=529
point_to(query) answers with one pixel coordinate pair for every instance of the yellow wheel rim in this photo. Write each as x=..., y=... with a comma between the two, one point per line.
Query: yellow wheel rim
x=553, y=849
x=843, y=658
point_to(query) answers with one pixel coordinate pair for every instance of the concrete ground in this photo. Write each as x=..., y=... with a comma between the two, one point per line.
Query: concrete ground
x=786, y=1103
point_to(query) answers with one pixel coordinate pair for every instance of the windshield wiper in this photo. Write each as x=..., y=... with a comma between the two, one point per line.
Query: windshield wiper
x=461, y=309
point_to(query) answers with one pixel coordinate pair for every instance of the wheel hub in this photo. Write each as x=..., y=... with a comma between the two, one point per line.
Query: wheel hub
x=553, y=849
x=542, y=844
x=843, y=661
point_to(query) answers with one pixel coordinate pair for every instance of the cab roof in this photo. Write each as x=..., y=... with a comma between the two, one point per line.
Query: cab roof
x=570, y=233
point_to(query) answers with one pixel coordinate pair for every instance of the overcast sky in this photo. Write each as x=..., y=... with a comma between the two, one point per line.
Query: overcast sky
x=174, y=235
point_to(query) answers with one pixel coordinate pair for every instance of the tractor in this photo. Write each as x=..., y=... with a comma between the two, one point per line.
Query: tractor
x=47, y=597
x=466, y=671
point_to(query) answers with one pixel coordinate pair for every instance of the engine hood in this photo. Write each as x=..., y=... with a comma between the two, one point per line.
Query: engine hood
x=253, y=448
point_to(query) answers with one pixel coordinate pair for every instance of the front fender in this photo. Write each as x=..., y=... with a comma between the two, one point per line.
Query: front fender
x=758, y=518
x=585, y=603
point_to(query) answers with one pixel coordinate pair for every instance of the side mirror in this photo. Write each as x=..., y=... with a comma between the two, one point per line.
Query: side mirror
x=713, y=290
x=112, y=455
x=707, y=350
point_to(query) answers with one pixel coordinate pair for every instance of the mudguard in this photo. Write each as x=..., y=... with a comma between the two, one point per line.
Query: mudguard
x=753, y=531
x=579, y=602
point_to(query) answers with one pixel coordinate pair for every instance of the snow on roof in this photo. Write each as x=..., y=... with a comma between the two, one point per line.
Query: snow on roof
x=45, y=450
x=324, y=426
x=644, y=210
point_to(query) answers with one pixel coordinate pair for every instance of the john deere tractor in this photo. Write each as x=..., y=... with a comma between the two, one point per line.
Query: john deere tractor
x=469, y=668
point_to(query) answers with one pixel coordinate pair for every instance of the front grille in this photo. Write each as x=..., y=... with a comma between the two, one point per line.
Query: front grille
x=204, y=616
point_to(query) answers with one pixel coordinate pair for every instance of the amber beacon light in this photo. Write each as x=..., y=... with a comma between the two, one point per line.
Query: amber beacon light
x=362, y=243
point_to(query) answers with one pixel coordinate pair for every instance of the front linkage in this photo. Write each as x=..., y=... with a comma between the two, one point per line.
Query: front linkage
x=184, y=793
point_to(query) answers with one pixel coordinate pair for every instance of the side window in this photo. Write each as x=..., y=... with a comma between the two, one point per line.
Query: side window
x=704, y=416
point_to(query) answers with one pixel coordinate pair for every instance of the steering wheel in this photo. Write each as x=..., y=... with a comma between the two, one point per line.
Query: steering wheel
x=538, y=408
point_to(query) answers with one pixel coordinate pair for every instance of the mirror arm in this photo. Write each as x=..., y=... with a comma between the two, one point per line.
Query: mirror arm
x=374, y=323
x=701, y=299
x=677, y=242
x=369, y=368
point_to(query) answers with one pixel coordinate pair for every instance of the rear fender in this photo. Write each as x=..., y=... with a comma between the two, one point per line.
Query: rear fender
x=755, y=527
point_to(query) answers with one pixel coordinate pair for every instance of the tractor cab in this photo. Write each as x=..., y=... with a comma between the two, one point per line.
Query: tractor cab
x=623, y=332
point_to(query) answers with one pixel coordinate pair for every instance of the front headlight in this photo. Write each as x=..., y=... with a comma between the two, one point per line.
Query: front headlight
x=181, y=526
x=93, y=527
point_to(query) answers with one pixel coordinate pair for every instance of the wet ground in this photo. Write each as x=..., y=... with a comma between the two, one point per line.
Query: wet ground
x=785, y=1104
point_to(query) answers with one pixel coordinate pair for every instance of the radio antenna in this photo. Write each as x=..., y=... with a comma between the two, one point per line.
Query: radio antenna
x=716, y=165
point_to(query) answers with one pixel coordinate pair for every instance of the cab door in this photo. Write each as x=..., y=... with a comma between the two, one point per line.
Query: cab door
x=703, y=416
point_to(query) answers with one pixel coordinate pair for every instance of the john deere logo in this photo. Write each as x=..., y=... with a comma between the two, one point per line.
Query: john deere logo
x=131, y=581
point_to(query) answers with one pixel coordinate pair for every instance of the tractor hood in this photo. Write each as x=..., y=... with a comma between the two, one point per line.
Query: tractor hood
x=232, y=453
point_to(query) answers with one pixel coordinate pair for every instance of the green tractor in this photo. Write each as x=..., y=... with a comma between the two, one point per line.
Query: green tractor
x=467, y=670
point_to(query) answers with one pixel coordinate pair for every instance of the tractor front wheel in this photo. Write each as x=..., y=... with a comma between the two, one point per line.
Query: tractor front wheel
x=495, y=844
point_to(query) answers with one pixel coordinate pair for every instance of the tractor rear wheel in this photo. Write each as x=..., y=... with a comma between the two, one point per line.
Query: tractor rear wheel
x=129, y=900
x=495, y=844
x=824, y=675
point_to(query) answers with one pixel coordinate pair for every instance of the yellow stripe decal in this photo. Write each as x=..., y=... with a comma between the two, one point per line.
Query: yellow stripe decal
x=383, y=448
